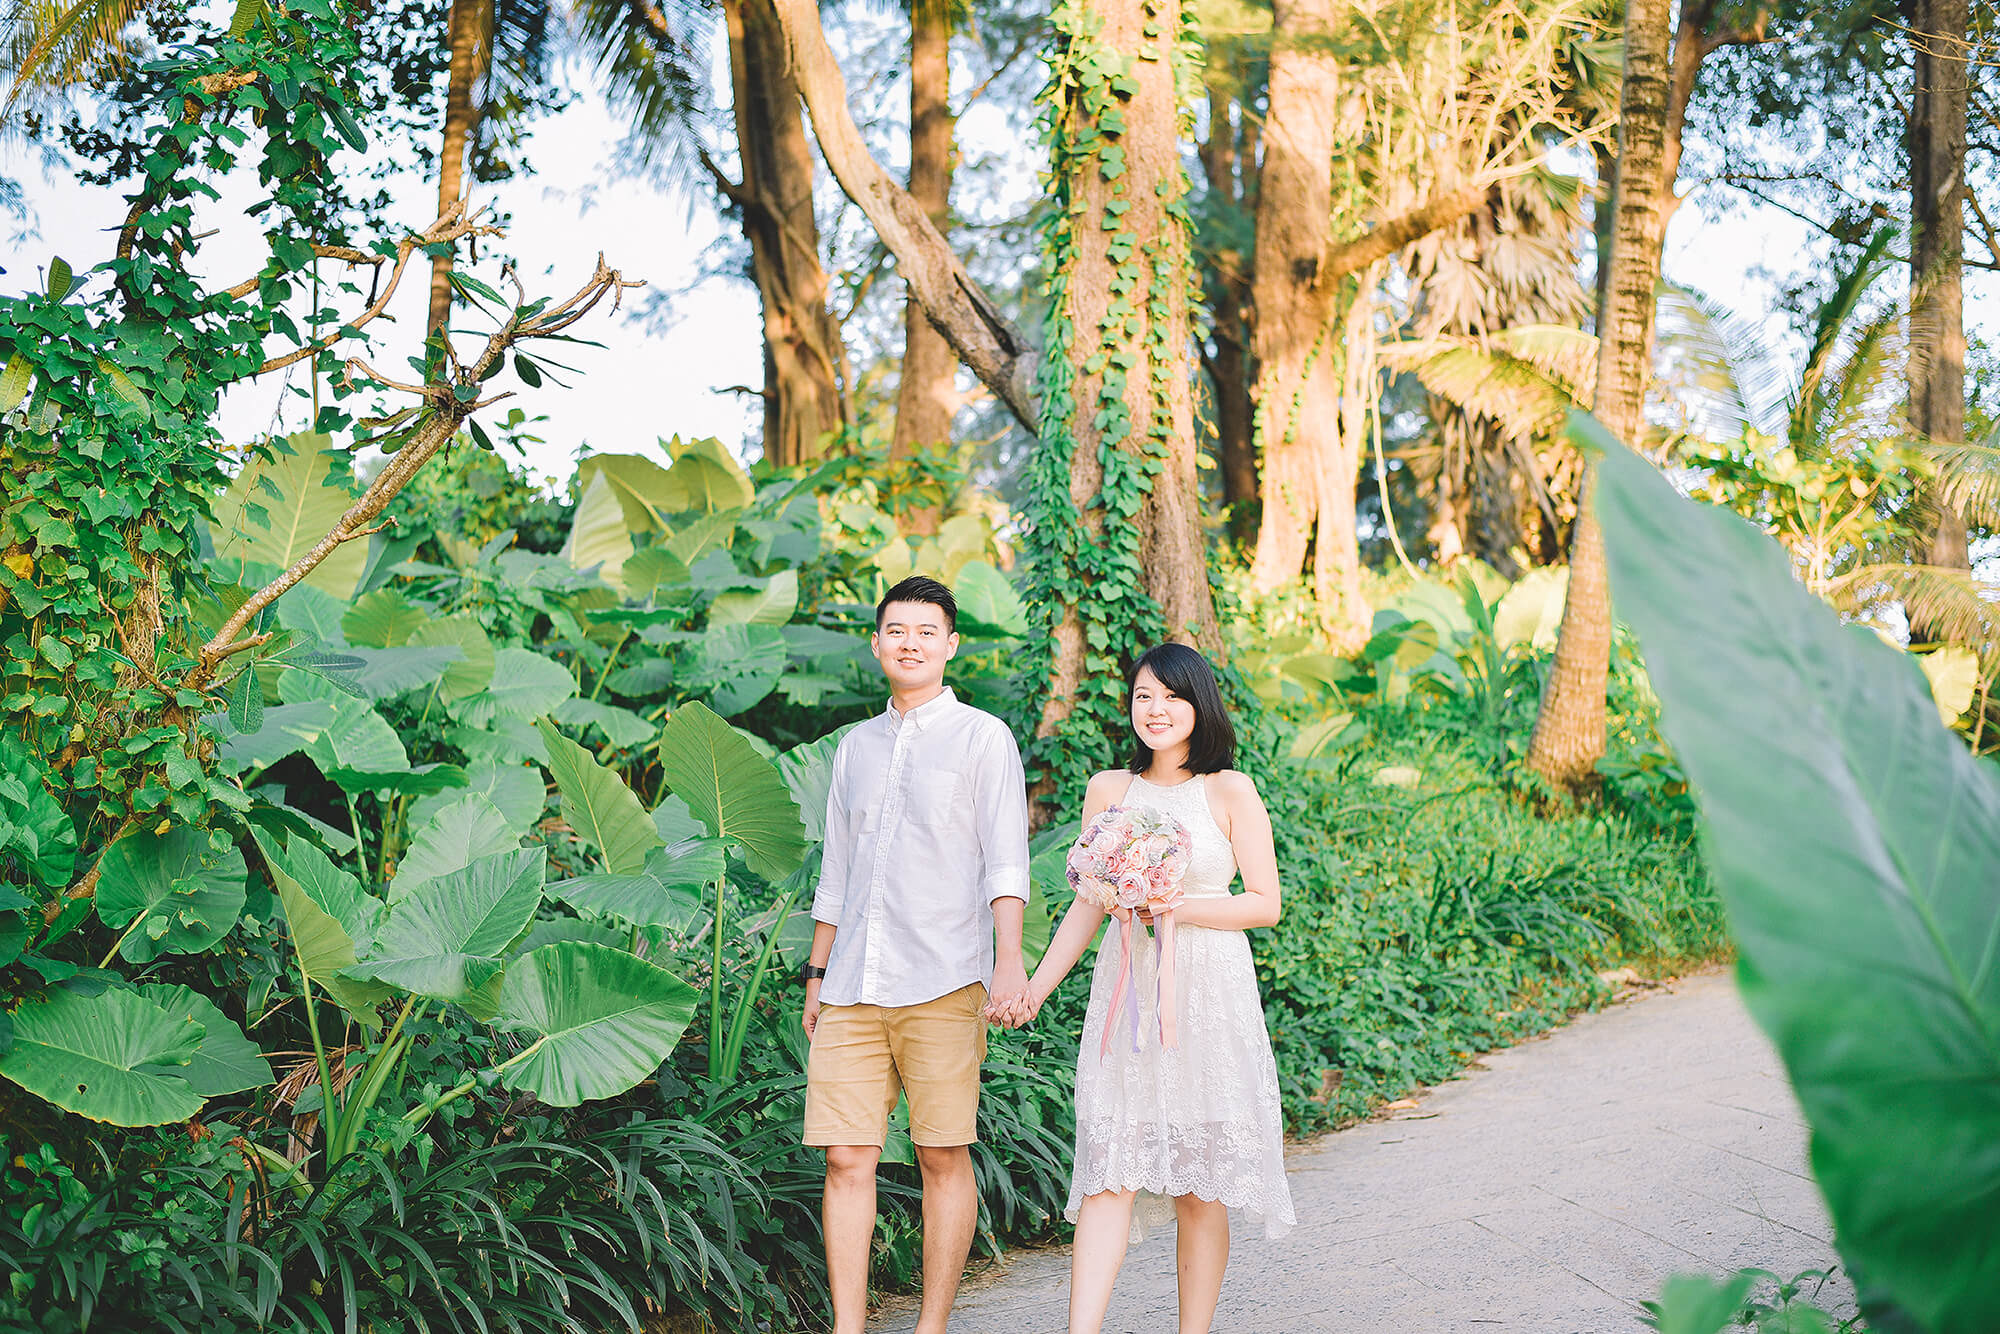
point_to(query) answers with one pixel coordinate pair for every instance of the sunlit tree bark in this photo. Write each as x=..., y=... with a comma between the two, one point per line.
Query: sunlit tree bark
x=926, y=398
x=1938, y=30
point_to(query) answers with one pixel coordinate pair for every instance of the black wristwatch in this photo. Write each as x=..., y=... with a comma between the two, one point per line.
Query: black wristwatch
x=809, y=971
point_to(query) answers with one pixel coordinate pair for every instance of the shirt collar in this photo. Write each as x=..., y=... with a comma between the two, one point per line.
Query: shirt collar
x=924, y=714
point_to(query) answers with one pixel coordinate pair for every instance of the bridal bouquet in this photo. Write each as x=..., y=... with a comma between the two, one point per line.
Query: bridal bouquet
x=1133, y=858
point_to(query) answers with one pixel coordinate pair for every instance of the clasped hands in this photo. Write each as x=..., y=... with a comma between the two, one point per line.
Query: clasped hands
x=1010, y=1003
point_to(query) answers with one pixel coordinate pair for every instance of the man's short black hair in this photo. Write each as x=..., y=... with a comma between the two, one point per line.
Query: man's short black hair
x=1184, y=672
x=921, y=588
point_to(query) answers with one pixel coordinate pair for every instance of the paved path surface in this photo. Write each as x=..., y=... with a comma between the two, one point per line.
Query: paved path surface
x=1546, y=1192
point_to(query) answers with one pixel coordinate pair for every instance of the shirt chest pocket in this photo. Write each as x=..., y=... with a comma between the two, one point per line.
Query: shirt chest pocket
x=935, y=800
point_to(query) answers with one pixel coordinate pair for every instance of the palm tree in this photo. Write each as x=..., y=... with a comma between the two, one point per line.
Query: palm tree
x=1568, y=738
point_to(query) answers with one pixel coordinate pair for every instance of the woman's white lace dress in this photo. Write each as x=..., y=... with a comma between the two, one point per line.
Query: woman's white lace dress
x=1202, y=1119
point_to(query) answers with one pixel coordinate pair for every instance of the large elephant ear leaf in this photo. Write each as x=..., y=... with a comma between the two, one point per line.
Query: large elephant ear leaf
x=226, y=1061
x=172, y=893
x=114, y=1057
x=666, y=891
x=444, y=940
x=602, y=1020
x=733, y=790
x=597, y=804
x=330, y=918
x=1856, y=844
x=808, y=773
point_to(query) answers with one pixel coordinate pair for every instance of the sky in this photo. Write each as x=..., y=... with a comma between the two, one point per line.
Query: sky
x=684, y=374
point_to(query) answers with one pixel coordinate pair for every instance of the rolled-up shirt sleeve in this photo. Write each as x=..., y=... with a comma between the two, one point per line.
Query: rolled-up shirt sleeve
x=836, y=849
x=1000, y=814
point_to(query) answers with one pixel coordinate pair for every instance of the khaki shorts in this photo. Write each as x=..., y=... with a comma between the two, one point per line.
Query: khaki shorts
x=864, y=1055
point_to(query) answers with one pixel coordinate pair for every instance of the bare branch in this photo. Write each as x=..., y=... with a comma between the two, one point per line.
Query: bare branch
x=454, y=224
x=446, y=412
x=348, y=254
x=1385, y=240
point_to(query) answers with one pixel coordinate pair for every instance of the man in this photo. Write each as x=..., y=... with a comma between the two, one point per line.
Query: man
x=925, y=870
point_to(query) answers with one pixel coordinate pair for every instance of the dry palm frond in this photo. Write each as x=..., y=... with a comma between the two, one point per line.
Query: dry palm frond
x=1524, y=378
x=1960, y=608
x=1716, y=362
x=1968, y=479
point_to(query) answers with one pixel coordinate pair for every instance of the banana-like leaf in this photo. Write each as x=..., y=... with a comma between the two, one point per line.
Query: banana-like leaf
x=621, y=727
x=388, y=672
x=808, y=773
x=285, y=729
x=278, y=510
x=185, y=894
x=382, y=619
x=1856, y=843
x=356, y=738
x=105, y=1057
x=603, y=1020
x=525, y=685
x=330, y=918
x=516, y=791
x=733, y=790
x=457, y=834
x=444, y=940
x=987, y=602
x=597, y=804
x=706, y=476
x=666, y=891
x=600, y=535
x=773, y=604
x=226, y=1061
x=736, y=665
x=475, y=670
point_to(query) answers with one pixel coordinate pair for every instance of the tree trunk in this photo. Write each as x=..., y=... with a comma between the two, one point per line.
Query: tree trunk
x=1937, y=32
x=469, y=58
x=1569, y=731
x=982, y=335
x=1298, y=368
x=1227, y=283
x=926, y=398
x=1124, y=296
x=803, y=357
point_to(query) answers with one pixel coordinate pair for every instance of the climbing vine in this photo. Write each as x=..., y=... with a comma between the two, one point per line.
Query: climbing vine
x=118, y=644
x=1086, y=487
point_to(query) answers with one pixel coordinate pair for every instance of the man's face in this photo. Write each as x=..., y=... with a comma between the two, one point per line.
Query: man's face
x=913, y=645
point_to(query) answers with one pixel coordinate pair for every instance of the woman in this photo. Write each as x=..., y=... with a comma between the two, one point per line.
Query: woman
x=1198, y=1124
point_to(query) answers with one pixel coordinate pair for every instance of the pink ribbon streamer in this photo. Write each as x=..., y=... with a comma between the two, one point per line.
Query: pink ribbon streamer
x=1124, y=916
x=1163, y=934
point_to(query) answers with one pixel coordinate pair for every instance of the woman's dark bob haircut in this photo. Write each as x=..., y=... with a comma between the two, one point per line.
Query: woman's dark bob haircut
x=1185, y=673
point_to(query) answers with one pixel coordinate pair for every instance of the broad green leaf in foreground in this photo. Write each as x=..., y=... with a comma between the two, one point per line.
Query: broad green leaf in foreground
x=733, y=790
x=663, y=892
x=598, y=805
x=1857, y=846
x=445, y=939
x=455, y=835
x=85, y=1054
x=172, y=893
x=277, y=509
x=987, y=602
x=515, y=790
x=329, y=917
x=808, y=773
x=226, y=1061
x=602, y=1020
x=525, y=685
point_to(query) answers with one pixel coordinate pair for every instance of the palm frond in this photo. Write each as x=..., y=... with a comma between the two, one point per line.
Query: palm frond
x=1968, y=479
x=1717, y=360
x=651, y=58
x=52, y=45
x=1960, y=608
x=1525, y=378
x=1850, y=291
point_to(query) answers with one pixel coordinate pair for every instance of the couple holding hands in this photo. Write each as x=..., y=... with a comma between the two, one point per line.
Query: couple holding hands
x=920, y=900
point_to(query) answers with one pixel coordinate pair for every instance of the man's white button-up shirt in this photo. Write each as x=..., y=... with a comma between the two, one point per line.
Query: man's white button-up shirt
x=926, y=824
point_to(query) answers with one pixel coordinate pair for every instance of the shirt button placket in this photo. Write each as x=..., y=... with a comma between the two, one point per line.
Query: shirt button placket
x=892, y=809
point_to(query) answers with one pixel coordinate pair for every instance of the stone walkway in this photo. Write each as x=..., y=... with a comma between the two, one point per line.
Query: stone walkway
x=1546, y=1192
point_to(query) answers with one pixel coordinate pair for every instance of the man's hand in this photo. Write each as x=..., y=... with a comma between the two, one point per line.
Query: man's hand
x=811, y=1018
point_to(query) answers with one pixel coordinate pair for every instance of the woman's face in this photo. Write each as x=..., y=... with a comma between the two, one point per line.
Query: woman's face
x=1162, y=719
